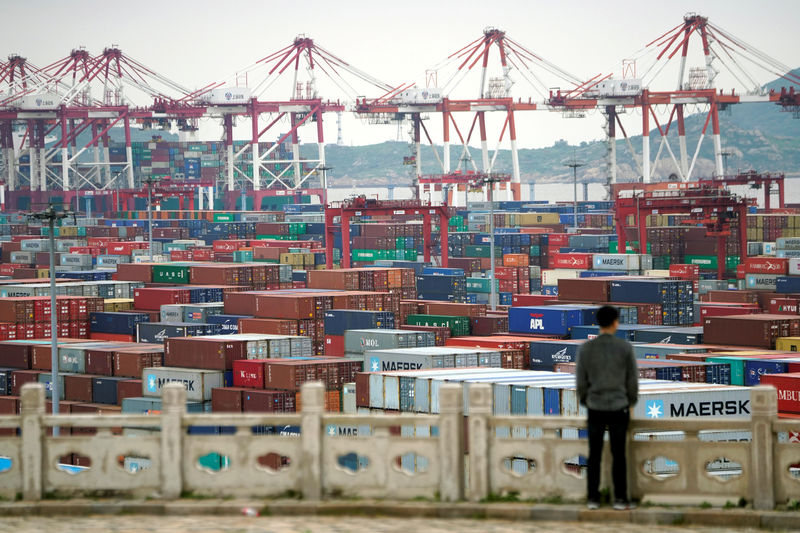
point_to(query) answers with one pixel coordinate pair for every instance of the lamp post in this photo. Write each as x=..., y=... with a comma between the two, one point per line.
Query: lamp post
x=51, y=215
x=149, y=181
x=574, y=165
x=490, y=180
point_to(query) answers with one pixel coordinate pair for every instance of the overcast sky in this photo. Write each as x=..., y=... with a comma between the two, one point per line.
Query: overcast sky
x=195, y=42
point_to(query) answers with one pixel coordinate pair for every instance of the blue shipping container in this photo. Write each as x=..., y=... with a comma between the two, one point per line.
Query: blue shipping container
x=118, y=323
x=544, y=320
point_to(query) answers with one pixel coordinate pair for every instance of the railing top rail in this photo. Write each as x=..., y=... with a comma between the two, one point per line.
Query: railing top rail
x=241, y=419
x=101, y=421
x=381, y=420
x=786, y=425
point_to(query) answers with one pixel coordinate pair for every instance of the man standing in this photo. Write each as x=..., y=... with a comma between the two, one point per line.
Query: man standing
x=608, y=385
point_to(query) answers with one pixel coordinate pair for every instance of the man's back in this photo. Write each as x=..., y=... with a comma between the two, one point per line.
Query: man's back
x=607, y=377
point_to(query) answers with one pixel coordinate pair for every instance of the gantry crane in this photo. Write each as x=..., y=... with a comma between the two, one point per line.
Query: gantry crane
x=713, y=208
x=363, y=206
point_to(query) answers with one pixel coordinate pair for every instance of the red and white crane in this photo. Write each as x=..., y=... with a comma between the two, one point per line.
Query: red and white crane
x=696, y=87
x=494, y=95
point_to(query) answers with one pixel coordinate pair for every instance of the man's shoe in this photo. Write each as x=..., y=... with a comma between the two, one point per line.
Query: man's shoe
x=592, y=505
x=624, y=505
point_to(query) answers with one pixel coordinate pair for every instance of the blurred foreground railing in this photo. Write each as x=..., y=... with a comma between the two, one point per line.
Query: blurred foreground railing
x=316, y=455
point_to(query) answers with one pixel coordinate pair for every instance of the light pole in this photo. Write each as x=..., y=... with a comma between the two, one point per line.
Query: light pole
x=574, y=165
x=490, y=180
x=149, y=181
x=51, y=215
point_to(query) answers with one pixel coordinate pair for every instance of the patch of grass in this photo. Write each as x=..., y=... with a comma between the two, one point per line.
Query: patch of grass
x=729, y=505
x=793, y=505
x=678, y=521
x=705, y=505
x=508, y=497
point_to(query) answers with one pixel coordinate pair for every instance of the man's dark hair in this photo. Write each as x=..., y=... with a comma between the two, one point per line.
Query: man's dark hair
x=606, y=316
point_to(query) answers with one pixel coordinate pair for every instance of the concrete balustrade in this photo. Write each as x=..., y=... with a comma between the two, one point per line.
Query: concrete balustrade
x=452, y=457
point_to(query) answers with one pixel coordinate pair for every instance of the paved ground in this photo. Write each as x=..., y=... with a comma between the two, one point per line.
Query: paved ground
x=314, y=524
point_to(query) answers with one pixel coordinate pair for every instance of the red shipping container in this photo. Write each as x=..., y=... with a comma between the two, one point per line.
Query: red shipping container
x=571, y=260
x=128, y=388
x=783, y=306
x=788, y=387
x=151, y=299
x=227, y=399
x=767, y=265
x=334, y=345
x=524, y=300
x=559, y=240
x=726, y=310
x=249, y=373
x=684, y=271
x=229, y=245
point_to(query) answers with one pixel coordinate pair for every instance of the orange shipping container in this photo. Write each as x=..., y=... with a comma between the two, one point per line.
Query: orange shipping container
x=515, y=260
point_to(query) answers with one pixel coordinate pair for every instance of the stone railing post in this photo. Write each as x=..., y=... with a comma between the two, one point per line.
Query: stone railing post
x=313, y=397
x=33, y=409
x=173, y=407
x=763, y=411
x=480, y=409
x=451, y=442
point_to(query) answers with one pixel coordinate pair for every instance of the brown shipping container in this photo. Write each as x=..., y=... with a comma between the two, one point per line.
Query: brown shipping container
x=227, y=400
x=135, y=272
x=268, y=326
x=268, y=401
x=746, y=297
x=333, y=279
x=240, y=303
x=285, y=306
x=453, y=309
x=78, y=388
x=132, y=364
x=13, y=355
x=100, y=362
x=584, y=289
x=362, y=389
x=749, y=330
x=128, y=388
x=197, y=352
x=21, y=377
x=287, y=374
x=9, y=405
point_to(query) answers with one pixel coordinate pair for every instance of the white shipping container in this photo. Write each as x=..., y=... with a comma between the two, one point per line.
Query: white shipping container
x=761, y=281
x=227, y=96
x=617, y=262
x=198, y=382
x=551, y=277
x=416, y=95
x=39, y=102
x=656, y=273
x=794, y=266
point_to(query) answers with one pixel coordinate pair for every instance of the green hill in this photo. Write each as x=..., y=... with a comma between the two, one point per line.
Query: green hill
x=758, y=136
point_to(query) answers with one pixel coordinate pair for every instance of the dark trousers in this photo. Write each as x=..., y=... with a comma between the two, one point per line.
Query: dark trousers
x=617, y=424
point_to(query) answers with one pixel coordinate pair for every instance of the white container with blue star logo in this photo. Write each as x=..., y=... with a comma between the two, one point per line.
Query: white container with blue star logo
x=198, y=382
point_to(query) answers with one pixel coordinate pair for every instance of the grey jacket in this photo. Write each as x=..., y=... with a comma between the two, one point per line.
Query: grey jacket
x=607, y=376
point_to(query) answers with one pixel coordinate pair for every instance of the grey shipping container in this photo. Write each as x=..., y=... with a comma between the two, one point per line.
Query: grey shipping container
x=198, y=382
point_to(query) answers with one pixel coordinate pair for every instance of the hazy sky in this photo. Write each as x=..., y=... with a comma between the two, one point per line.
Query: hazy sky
x=195, y=42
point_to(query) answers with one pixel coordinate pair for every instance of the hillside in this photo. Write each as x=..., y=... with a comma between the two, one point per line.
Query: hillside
x=759, y=136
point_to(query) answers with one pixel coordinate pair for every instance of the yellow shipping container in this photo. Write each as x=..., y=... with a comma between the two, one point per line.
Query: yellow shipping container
x=787, y=344
x=535, y=219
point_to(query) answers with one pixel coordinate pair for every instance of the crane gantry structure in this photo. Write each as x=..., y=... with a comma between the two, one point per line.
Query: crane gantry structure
x=90, y=93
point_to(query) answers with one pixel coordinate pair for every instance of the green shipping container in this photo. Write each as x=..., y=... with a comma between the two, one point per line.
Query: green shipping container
x=410, y=255
x=363, y=255
x=242, y=256
x=224, y=217
x=459, y=325
x=481, y=285
x=170, y=274
x=737, y=367
x=474, y=250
